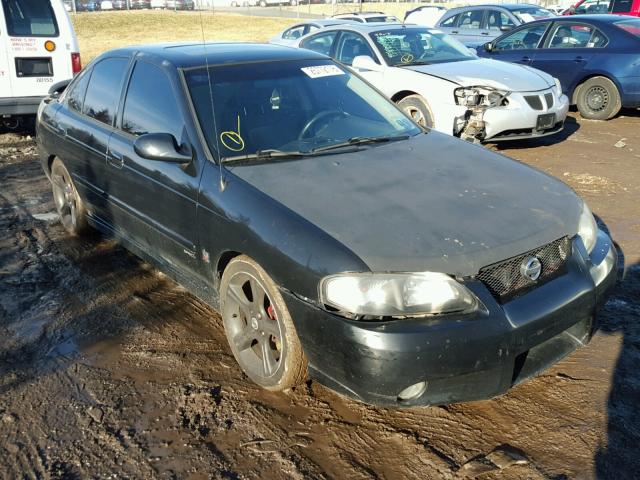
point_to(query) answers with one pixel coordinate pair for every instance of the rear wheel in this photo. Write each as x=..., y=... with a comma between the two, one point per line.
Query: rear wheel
x=598, y=99
x=416, y=107
x=259, y=327
x=73, y=214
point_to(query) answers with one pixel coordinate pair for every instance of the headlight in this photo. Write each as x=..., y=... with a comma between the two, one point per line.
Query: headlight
x=587, y=228
x=558, y=86
x=475, y=96
x=396, y=294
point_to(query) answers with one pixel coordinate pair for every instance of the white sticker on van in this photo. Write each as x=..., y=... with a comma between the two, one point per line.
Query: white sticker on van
x=322, y=71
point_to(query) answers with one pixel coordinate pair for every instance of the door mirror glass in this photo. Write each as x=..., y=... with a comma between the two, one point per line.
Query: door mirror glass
x=488, y=47
x=160, y=146
x=365, y=62
x=506, y=28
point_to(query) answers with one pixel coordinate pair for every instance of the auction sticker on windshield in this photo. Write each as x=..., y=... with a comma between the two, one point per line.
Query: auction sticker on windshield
x=322, y=71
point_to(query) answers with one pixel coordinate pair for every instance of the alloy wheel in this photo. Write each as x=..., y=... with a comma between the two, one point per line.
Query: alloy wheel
x=64, y=198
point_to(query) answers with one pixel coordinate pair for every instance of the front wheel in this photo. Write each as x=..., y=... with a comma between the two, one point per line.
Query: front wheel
x=71, y=210
x=416, y=107
x=259, y=327
x=598, y=99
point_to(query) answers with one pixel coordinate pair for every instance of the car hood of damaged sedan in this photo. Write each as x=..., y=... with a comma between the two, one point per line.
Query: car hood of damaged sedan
x=430, y=203
x=489, y=73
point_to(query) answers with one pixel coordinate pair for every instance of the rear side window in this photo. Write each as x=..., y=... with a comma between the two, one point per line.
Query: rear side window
x=76, y=91
x=471, y=19
x=320, y=43
x=621, y=6
x=30, y=18
x=103, y=92
x=150, y=105
x=576, y=36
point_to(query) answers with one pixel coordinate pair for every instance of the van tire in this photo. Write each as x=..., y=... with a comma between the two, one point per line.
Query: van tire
x=598, y=99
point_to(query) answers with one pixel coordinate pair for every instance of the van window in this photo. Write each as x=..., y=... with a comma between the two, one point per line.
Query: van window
x=150, y=106
x=103, y=92
x=30, y=18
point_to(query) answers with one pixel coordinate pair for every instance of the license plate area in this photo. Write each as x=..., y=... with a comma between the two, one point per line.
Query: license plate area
x=34, y=67
x=546, y=121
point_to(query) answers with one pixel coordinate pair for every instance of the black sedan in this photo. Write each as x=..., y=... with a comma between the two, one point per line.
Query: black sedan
x=337, y=238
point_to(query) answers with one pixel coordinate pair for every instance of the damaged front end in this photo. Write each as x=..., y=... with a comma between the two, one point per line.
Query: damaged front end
x=471, y=126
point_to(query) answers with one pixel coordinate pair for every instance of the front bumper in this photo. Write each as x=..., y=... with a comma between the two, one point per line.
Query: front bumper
x=518, y=120
x=19, y=105
x=465, y=358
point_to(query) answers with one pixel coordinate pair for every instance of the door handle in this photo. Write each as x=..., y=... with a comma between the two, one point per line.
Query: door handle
x=578, y=59
x=115, y=159
x=454, y=31
x=484, y=33
x=525, y=59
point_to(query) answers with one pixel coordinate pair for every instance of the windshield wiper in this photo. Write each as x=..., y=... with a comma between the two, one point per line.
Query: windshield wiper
x=413, y=64
x=264, y=155
x=355, y=141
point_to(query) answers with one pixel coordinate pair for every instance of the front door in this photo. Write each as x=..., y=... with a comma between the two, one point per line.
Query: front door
x=158, y=199
x=521, y=45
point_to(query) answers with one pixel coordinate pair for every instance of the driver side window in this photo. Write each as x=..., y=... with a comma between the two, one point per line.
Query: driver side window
x=525, y=38
x=350, y=45
x=593, y=7
x=320, y=43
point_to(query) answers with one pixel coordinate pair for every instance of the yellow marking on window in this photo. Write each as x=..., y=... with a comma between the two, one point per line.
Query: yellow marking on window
x=233, y=140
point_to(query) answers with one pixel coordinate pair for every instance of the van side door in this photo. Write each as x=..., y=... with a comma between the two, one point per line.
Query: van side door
x=157, y=199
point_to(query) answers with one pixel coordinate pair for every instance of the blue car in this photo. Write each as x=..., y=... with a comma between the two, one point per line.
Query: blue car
x=595, y=57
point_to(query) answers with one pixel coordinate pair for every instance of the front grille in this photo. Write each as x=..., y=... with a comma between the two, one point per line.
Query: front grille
x=505, y=281
x=549, y=98
x=534, y=101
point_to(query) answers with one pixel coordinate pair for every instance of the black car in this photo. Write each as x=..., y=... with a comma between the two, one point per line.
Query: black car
x=396, y=265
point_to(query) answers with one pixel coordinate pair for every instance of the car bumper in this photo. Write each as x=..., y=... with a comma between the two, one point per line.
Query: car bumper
x=460, y=359
x=519, y=120
x=19, y=105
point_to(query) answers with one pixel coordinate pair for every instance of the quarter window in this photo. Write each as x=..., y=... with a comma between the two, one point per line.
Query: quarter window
x=320, y=43
x=525, y=38
x=293, y=33
x=103, y=92
x=450, y=22
x=150, y=105
x=76, y=91
x=350, y=45
x=30, y=18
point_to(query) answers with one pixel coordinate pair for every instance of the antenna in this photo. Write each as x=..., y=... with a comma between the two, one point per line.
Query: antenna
x=213, y=110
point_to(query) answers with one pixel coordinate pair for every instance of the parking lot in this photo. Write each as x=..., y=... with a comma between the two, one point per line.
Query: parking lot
x=109, y=369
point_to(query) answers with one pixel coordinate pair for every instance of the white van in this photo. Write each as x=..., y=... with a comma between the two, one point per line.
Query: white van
x=38, y=48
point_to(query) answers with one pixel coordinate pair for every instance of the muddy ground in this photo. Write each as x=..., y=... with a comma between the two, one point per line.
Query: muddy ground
x=110, y=370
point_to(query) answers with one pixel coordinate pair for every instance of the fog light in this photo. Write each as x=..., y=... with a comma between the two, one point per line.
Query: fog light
x=414, y=391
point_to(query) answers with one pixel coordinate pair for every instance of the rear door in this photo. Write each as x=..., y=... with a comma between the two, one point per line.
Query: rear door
x=156, y=199
x=36, y=49
x=469, y=29
x=567, y=51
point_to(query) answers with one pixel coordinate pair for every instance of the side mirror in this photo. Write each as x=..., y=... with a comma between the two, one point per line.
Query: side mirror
x=160, y=146
x=365, y=62
x=572, y=10
x=488, y=47
x=57, y=88
x=506, y=28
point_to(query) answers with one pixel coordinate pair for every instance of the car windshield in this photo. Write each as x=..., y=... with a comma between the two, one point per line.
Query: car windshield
x=30, y=18
x=632, y=26
x=418, y=46
x=290, y=106
x=529, y=14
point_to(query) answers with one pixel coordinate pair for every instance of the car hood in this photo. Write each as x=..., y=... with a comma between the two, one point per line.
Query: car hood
x=491, y=73
x=431, y=203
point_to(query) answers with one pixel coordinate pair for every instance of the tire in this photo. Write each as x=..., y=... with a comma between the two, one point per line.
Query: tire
x=417, y=108
x=598, y=99
x=257, y=323
x=69, y=205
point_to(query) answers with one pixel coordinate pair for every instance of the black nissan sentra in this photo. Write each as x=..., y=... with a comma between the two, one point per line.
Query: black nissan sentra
x=339, y=240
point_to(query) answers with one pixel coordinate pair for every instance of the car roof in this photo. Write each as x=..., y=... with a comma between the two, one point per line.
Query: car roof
x=194, y=54
x=597, y=18
x=506, y=6
x=376, y=27
x=364, y=14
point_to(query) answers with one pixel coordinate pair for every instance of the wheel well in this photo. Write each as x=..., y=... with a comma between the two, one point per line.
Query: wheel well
x=400, y=95
x=50, y=162
x=223, y=261
x=574, y=94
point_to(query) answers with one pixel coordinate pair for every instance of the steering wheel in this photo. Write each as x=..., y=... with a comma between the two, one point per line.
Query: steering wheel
x=316, y=118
